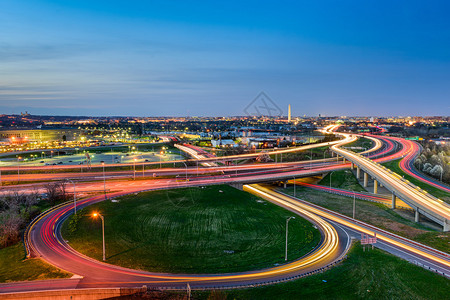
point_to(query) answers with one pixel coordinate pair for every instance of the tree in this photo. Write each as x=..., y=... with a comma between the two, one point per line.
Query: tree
x=427, y=167
x=10, y=224
x=418, y=163
x=56, y=192
x=436, y=171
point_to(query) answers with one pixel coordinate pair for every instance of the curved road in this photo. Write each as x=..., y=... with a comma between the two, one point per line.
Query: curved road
x=46, y=241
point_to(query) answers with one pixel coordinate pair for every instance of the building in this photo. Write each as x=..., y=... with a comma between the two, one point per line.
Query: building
x=40, y=135
x=222, y=143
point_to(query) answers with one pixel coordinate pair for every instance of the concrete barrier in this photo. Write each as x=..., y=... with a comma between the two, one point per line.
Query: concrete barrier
x=75, y=294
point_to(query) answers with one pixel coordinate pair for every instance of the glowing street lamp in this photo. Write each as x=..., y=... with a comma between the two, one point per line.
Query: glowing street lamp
x=103, y=231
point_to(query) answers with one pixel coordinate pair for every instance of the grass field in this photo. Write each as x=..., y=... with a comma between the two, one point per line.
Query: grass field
x=372, y=274
x=343, y=179
x=393, y=165
x=362, y=143
x=315, y=153
x=212, y=229
x=13, y=267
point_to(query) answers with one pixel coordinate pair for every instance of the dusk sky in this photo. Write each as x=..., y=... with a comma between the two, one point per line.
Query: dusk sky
x=211, y=58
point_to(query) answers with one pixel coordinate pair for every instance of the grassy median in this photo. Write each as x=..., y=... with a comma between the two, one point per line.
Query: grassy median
x=13, y=266
x=343, y=179
x=212, y=229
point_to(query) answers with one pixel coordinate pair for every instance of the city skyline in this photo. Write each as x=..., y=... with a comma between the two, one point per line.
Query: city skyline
x=203, y=59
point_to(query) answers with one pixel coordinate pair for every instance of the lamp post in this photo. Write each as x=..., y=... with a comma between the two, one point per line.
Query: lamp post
x=103, y=232
x=276, y=155
x=134, y=169
x=294, y=186
x=287, y=229
x=18, y=169
x=74, y=196
x=354, y=204
x=330, y=178
x=186, y=170
x=104, y=179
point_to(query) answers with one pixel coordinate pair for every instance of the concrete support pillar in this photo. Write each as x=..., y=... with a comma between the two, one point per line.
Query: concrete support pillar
x=344, y=160
x=375, y=187
x=446, y=225
x=366, y=178
x=352, y=166
x=285, y=183
x=238, y=186
x=417, y=215
x=393, y=200
x=358, y=172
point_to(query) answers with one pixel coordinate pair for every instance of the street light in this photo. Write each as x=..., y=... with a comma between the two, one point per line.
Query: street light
x=294, y=186
x=354, y=204
x=186, y=170
x=134, y=169
x=104, y=179
x=103, y=232
x=287, y=229
x=18, y=169
x=74, y=196
x=330, y=178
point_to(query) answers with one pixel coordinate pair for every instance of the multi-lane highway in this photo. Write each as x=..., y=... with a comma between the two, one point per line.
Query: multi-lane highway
x=45, y=240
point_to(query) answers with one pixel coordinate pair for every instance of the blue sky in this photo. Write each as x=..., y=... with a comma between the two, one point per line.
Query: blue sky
x=151, y=58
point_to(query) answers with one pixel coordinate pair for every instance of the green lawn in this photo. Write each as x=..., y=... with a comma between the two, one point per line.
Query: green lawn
x=361, y=142
x=192, y=230
x=372, y=274
x=343, y=179
x=13, y=267
x=393, y=165
x=316, y=153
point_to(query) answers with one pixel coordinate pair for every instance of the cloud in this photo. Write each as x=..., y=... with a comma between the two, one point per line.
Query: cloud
x=18, y=53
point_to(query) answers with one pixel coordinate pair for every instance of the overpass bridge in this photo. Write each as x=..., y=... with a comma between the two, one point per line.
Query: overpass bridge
x=421, y=201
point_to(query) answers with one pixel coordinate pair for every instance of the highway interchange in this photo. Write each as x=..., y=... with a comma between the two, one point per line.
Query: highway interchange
x=44, y=238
